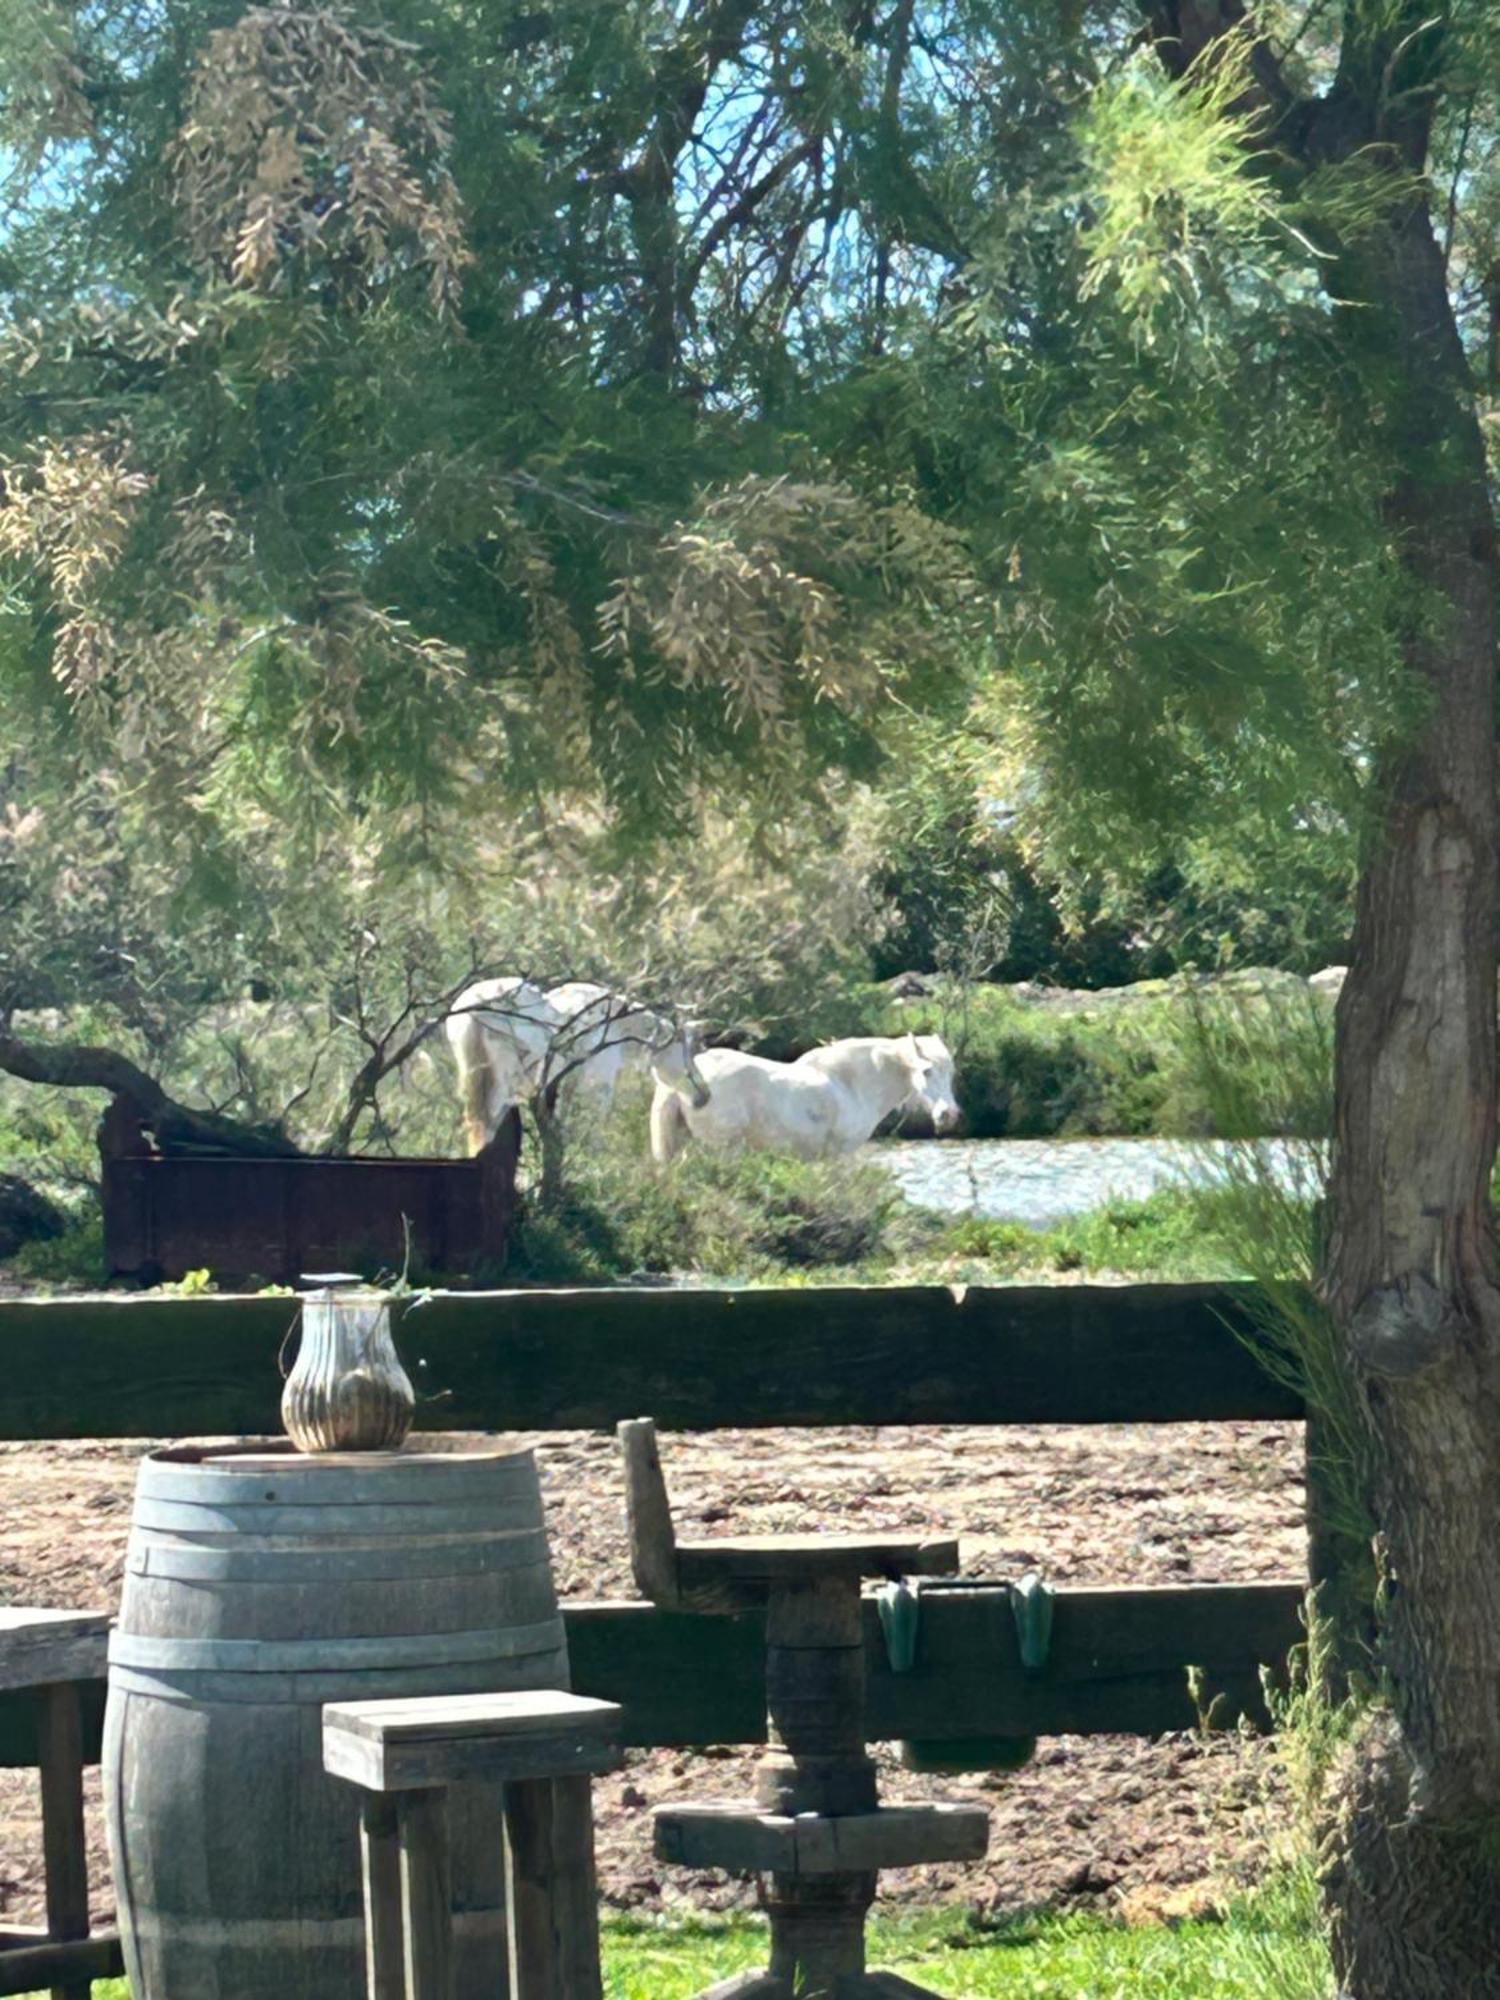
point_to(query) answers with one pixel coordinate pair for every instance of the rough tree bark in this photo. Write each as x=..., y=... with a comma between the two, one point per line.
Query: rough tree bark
x=1411, y=1270
x=1412, y=1869
x=176, y=1127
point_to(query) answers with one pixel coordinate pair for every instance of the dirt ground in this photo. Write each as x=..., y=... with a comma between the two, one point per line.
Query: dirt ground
x=1118, y=1822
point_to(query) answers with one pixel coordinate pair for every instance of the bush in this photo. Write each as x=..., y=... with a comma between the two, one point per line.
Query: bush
x=1127, y=1063
x=753, y=1215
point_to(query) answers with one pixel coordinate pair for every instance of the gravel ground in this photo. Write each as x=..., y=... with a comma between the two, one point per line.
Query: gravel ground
x=1142, y=1826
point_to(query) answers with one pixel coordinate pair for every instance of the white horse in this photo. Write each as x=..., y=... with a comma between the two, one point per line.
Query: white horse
x=499, y=1031
x=828, y=1101
x=602, y=1036
x=510, y=1039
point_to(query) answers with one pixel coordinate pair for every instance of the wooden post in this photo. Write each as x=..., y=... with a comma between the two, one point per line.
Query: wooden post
x=575, y=1890
x=60, y=1738
x=551, y=1893
x=653, y=1540
x=426, y=1894
x=816, y=1762
x=380, y=1853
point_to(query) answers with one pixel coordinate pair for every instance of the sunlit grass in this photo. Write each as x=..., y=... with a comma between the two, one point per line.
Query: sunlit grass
x=1267, y=1947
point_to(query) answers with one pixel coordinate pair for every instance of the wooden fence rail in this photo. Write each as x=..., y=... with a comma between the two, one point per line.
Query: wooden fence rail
x=1118, y=1665
x=695, y=1360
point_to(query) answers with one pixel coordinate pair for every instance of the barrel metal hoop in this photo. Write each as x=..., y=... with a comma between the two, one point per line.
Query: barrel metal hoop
x=290, y=1656
x=548, y=1667
x=431, y=1557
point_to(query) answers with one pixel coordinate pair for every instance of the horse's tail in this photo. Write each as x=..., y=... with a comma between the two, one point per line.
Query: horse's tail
x=476, y=1079
x=669, y=1126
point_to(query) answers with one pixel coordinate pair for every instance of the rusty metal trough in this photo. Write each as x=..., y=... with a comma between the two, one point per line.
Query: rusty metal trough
x=275, y=1218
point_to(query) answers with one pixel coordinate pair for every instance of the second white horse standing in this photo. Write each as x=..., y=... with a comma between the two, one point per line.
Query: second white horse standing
x=829, y=1101
x=510, y=1039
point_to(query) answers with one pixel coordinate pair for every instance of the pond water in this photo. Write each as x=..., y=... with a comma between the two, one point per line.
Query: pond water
x=1043, y=1181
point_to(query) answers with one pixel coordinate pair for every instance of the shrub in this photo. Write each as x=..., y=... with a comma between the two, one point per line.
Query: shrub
x=753, y=1215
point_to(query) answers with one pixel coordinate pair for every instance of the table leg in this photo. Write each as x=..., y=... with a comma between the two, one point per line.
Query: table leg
x=426, y=1894
x=380, y=1853
x=64, y=1845
x=575, y=1892
x=551, y=1894
x=816, y=1761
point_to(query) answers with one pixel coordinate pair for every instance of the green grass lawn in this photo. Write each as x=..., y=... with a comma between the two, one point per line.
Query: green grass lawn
x=1265, y=1948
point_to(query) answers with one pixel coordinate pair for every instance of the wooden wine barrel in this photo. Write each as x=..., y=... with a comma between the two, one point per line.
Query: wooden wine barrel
x=258, y=1586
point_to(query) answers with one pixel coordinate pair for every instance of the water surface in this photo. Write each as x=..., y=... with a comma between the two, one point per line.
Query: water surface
x=1043, y=1181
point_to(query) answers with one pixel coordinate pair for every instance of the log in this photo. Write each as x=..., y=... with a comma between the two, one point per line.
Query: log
x=699, y=1360
x=738, y=1836
x=24, y=1968
x=1117, y=1666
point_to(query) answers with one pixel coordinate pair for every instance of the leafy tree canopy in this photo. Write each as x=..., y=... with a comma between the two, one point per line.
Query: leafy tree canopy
x=419, y=420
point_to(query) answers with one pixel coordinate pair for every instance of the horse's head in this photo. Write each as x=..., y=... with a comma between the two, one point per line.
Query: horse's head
x=675, y=1066
x=932, y=1086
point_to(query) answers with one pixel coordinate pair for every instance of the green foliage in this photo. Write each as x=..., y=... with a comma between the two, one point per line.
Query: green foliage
x=1271, y=1225
x=746, y=1217
x=1264, y=1946
x=1313, y=1728
x=1168, y=1235
x=71, y=1262
x=1128, y=1062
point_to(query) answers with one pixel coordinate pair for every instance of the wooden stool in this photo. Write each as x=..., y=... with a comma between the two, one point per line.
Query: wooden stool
x=51, y=1653
x=544, y=1746
x=815, y=1825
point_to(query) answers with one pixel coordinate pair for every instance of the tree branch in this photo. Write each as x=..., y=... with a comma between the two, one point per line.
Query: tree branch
x=179, y=1128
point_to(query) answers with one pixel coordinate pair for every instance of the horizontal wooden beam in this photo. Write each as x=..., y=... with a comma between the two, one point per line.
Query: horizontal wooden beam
x=695, y=1360
x=24, y=1968
x=40, y=1646
x=1118, y=1665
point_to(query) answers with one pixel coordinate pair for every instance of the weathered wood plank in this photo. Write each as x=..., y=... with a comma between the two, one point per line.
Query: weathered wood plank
x=697, y=1360
x=1117, y=1666
x=575, y=1893
x=426, y=1894
x=39, y=1648
x=551, y=1893
x=64, y=1845
x=20, y=1737
x=737, y=1835
x=380, y=1868
x=26, y=1967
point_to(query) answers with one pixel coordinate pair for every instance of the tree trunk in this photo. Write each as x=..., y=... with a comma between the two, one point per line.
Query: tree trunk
x=1413, y=1887
x=551, y=1149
